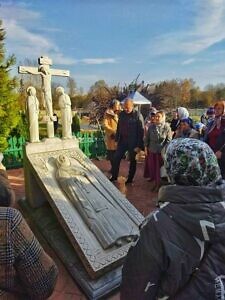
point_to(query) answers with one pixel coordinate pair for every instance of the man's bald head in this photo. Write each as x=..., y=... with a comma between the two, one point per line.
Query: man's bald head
x=128, y=105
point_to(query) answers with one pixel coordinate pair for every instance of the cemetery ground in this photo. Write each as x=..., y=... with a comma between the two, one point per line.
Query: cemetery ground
x=139, y=194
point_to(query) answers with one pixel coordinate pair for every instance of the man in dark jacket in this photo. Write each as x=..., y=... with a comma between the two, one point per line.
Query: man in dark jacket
x=129, y=136
x=181, y=251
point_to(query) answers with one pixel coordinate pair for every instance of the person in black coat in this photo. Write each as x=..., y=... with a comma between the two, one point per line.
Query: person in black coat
x=129, y=137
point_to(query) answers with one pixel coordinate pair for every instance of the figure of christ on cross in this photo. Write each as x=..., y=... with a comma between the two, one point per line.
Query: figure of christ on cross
x=46, y=75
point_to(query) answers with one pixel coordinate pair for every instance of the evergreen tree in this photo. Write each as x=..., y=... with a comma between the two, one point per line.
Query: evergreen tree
x=9, y=107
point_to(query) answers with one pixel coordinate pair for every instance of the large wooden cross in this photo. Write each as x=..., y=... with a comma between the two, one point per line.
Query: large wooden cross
x=46, y=73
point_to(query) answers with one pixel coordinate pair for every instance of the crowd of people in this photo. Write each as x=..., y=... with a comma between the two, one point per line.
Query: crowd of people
x=126, y=132
x=180, y=253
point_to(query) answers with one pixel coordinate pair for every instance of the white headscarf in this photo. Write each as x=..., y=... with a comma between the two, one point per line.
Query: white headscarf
x=182, y=113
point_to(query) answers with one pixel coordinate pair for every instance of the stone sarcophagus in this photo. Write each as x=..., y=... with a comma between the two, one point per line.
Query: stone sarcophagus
x=98, y=220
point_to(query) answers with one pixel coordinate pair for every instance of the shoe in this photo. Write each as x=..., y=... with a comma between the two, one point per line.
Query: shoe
x=112, y=179
x=129, y=181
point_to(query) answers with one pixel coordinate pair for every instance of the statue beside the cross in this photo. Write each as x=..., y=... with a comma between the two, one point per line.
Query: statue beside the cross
x=46, y=74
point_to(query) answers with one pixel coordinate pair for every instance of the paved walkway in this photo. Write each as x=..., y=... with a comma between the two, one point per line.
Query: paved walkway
x=139, y=195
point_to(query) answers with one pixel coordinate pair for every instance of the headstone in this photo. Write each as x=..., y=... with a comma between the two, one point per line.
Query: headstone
x=99, y=221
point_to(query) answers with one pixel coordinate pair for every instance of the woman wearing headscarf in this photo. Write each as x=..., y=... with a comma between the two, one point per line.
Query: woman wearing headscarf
x=185, y=130
x=158, y=135
x=215, y=134
x=180, y=254
x=150, y=121
x=182, y=114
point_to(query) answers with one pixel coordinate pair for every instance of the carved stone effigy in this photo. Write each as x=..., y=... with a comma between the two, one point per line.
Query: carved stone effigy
x=89, y=187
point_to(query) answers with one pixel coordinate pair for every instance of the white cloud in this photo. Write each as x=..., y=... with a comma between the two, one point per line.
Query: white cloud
x=207, y=30
x=98, y=61
x=12, y=11
x=188, y=61
x=60, y=59
x=22, y=41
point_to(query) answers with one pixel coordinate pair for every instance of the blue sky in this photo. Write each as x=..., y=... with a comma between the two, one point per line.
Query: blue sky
x=117, y=40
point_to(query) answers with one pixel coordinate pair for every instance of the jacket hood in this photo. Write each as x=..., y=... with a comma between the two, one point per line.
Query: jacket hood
x=200, y=210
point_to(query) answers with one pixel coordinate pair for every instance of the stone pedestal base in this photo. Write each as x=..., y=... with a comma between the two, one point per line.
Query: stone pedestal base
x=51, y=230
x=50, y=129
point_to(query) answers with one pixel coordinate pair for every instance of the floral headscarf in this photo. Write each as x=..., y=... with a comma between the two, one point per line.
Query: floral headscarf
x=191, y=162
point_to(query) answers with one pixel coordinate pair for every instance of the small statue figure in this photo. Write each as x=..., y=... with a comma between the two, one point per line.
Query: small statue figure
x=66, y=113
x=110, y=225
x=32, y=108
x=46, y=89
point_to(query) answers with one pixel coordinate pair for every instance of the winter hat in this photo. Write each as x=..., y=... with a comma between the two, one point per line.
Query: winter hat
x=152, y=111
x=191, y=162
x=210, y=111
x=186, y=120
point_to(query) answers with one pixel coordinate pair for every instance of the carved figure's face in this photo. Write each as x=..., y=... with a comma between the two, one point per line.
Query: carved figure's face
x=44, y=69
x=64, y=160
x=31, y=91
x=59, y=90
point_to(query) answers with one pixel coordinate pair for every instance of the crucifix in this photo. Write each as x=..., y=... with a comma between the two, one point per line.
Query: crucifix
x=46, y=74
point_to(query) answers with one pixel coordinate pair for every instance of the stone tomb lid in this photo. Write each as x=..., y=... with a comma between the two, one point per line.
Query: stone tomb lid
x=97, y=256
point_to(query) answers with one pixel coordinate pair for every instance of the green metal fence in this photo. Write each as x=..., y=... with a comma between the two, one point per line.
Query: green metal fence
x=13, y=155
x=91, y=143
